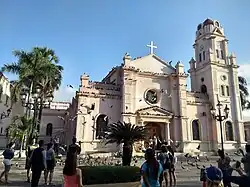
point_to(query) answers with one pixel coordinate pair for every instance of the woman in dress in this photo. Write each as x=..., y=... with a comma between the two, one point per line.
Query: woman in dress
x=151, y=170
x=72, y=175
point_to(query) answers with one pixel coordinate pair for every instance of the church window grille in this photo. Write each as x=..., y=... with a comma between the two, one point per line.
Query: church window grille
x=49, y=129
x=203, y=89
x=229, y=131
x=246, y=137
x=101, y=126
x=217, y=53
x=222, y=54
x=227, y=90
x=196, y=129
x=222, y=91
x=200, y=59
x=204, y=55
x=7, y=100
x=1, y=92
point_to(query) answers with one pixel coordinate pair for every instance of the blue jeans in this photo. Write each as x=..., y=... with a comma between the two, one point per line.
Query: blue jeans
x=242, y=181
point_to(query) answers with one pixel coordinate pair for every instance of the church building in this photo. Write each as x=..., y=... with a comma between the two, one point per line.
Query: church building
x=149, y=91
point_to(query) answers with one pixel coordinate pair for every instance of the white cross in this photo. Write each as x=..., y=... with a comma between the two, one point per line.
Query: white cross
x=152, y=47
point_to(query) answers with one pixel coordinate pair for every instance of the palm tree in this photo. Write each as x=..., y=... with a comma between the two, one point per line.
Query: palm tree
x=19, y=129
x=127, y=134
x=38, y=68
x=245, y=104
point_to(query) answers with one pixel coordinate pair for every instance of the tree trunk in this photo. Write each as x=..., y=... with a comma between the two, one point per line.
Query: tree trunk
x=127, y=154
x=40, y=115
x=21, y=147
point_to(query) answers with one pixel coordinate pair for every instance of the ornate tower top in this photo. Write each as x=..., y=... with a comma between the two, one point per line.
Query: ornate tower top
x=209, y=26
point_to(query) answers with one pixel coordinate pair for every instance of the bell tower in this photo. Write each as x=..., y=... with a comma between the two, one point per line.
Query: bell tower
x=214, y=72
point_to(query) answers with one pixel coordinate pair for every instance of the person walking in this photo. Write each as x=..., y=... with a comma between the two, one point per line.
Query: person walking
x=29, y=151
x=38, y=163
x=72, y=175
x=51, y=163
x=8, y=154
x=151, y=170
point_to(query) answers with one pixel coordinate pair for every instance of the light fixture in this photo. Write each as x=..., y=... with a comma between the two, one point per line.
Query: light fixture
x=213, y=111
x=226, y=110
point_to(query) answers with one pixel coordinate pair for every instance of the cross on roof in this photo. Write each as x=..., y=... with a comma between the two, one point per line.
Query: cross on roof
x=152, y=47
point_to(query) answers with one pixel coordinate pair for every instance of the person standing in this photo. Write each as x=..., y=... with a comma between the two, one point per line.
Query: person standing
x=8, y=154
x=165, y=162
x=75, y=146
x=72, y=175
x=38, y=163
x=51, y=163
x=224, y=166
x=29, y=151
x=173, y=161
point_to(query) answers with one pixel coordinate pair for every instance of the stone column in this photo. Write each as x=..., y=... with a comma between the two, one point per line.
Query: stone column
x=167, y=131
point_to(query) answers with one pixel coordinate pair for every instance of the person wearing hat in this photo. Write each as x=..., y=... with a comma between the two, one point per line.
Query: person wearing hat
x=151, y=170
x=214, y=177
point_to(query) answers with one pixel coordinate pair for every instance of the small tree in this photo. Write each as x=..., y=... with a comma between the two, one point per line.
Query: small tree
x=245, y=104
x=127, y=134
x=20, y=130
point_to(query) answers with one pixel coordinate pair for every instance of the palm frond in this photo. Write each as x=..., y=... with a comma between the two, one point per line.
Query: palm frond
x=122, y=132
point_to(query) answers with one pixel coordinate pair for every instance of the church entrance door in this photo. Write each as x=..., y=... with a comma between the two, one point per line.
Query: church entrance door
x=154, y=131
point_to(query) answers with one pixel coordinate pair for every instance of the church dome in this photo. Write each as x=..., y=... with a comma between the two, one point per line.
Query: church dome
x=208, y=22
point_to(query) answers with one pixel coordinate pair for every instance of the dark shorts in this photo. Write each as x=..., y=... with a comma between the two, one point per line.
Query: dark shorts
x=50, y=165
x=7, y=168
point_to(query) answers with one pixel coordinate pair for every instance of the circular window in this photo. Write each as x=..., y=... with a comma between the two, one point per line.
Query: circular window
x=223, y=77
x=151, y=96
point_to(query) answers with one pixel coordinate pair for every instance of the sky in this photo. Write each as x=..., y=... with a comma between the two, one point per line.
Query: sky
x=92, y=36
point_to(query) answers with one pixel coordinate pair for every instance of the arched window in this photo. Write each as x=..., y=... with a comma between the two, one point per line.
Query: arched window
x=229, y=131
x=196, y=129
x=203, y=89
x=101, y=126
x=49, y=129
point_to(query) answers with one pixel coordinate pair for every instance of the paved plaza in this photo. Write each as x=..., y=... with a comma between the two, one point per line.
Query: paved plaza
x=187, y=174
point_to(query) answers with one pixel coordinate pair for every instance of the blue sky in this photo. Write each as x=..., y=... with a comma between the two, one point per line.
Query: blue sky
x=92, y=35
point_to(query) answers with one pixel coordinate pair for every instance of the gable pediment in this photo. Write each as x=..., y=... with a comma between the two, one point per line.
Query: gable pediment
x=217, y=31
x=152, y=63
x=154, y=111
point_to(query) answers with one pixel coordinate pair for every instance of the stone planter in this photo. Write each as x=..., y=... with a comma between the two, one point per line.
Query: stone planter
x=130, y=184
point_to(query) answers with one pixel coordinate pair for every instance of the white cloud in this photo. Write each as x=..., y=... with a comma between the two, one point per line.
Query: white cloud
x=64, y=94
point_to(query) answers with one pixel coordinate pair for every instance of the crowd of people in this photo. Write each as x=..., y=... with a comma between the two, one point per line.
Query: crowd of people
x=156, y=169
x=39, y=159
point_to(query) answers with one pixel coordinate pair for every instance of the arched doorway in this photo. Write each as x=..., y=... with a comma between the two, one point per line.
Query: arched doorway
x=154, y=130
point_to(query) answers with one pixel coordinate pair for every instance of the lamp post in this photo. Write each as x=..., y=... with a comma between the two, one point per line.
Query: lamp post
x=219, y=117
x=34, y=102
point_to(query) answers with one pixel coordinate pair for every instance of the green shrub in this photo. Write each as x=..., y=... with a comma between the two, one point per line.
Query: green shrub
x=110, y=174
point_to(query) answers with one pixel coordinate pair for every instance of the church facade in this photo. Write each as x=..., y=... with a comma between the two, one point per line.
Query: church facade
x=149, y=91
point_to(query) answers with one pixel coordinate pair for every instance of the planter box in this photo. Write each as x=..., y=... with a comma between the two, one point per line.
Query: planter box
x=129, y=184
